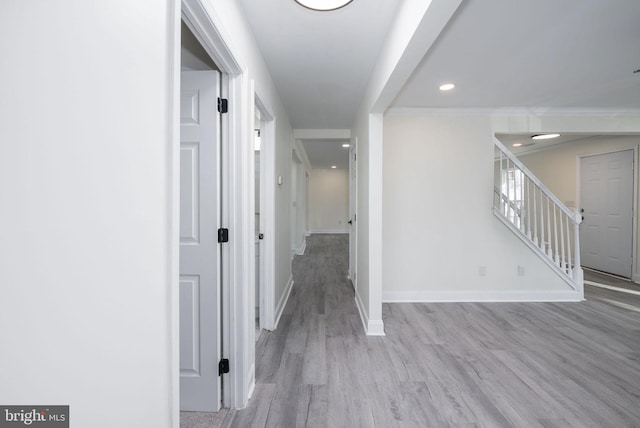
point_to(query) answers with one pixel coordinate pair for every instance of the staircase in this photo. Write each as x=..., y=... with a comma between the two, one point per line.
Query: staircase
x=537, y=216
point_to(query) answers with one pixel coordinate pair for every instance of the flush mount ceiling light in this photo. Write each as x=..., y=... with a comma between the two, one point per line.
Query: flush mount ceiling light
x=345, y=145
x=516, y=144
x=323, y=5
x=447, y=87
x=544, y=136
x=333, y=167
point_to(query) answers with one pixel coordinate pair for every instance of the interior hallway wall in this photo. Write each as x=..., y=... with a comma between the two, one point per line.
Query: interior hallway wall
x=329, y=201
x=439, y=230
x=86, y=142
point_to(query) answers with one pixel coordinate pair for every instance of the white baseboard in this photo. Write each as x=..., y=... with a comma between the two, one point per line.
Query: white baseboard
x=371, y=327
x=251, y=386
x=328, y=231
x=375, y=328
x=482, y=296
x=283, y=301
x=301, y=248
x=636, y=279
x=307, y=233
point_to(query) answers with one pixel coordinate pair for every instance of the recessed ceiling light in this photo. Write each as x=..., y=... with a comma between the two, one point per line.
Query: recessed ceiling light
x=516, y=144
x=447, y=87
x=544, y=136
x=333, y=167
x=323, y=5
x=345, y=145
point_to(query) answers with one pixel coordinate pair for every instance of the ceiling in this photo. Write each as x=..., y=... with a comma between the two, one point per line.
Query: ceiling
x=323, y=154
x=320, y=62
x=578, y=54
x=536, y=53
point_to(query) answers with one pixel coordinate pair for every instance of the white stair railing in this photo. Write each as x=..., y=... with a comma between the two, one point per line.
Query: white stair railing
x=537, y=216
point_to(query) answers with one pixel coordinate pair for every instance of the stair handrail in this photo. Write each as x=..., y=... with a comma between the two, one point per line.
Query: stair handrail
x=574, y=216
x=555, y=248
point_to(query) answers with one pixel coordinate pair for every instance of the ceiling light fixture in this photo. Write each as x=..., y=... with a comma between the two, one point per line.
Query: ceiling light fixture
x=333, y=167
x=345, y=145
x=516, y=144
x=323, y=5
x=447, y=87
x=544, y=136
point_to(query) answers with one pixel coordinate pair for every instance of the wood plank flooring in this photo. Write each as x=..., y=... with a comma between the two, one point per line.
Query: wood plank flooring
x=442, y=364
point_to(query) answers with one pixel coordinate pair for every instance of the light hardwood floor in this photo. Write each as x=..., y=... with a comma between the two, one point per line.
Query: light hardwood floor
x=442, y=364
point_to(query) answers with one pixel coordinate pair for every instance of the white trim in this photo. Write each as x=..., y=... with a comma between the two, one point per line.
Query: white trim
x=375, y=222
x=283, y=301
x=267, y=212
x=610, y=287
x=327, y=231
x=301, y=249
x=207, y=28
x=173, y=210
x=636, y=278
x=425, y=296
x=371, y=327
x=251, y=386
x=361, y=310
x=509, y=111
x=307, y=233
x=353, y=212
x=375, y=328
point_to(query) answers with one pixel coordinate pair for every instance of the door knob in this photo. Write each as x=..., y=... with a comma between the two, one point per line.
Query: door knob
x=350, y=222
x=260, y=235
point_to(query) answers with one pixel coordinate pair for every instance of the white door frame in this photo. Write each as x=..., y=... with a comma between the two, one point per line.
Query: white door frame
x=267, y=212
x=353, y=208
x=237, y=130
x=635, y=276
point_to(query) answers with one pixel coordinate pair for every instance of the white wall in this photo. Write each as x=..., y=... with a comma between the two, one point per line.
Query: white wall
x=415, y=28
x=242, y=42
x=328, y=201
x=438, y=223
x=298, y=201
x=557, y=167
x=85, y=245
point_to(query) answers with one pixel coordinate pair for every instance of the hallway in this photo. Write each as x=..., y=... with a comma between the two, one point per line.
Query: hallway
x=445, y=364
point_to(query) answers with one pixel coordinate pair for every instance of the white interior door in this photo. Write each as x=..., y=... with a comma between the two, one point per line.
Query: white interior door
x=200, y=349
x=353, y=208
x=606, y=196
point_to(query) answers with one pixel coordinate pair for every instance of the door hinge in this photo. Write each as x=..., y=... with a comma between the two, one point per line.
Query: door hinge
x=223, y=105
x=223, y=235
x=223, y=366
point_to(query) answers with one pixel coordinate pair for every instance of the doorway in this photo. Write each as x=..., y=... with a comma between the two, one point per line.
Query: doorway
x=259, y=236
x=233, y=175
x=200, y=207
x=265, y=181
x=606, y=199
x=353, y=209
